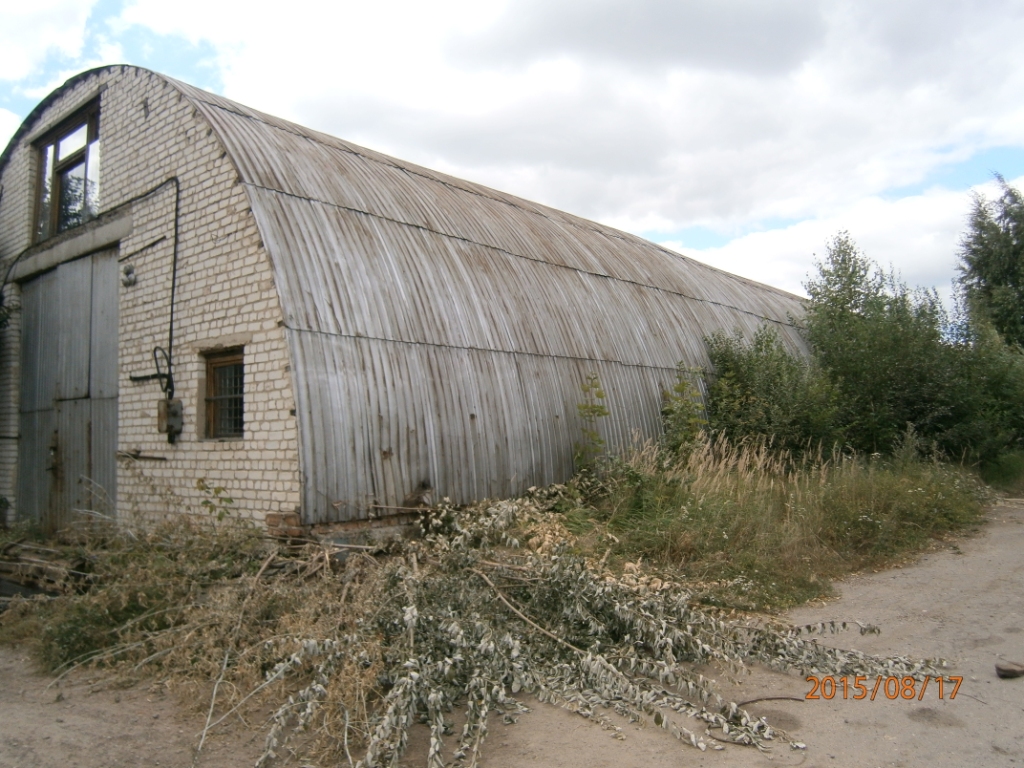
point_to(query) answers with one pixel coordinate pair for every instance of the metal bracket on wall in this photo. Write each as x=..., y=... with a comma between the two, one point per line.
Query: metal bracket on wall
x=139, y=456
x=163, y=373
x=148, y=377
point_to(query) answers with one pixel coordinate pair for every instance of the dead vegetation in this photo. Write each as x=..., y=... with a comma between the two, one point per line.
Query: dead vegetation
x=751, y=527
x=349, y=649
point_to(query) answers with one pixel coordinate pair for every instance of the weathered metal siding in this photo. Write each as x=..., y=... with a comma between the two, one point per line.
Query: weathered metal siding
x=73, y=303
x=101, y=493
x=468, y=423
x=37, y=417
x=440, y=330
x=68, y=404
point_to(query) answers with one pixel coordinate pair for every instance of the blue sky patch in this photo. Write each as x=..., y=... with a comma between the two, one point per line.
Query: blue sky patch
x=701, y=238
x=979, y=169
x=171, y=55
x=692, y=237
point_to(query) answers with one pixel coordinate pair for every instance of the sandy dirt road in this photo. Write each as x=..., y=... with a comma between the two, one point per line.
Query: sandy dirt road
x=85, y=723
x=964, y=603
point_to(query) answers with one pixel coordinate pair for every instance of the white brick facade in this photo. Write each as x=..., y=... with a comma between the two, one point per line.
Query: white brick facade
x=150, y=133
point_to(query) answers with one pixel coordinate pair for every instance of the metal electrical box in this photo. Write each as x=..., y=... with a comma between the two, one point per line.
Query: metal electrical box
x=169, y=418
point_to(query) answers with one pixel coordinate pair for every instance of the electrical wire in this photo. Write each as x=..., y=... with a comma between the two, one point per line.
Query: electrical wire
x=166, y=382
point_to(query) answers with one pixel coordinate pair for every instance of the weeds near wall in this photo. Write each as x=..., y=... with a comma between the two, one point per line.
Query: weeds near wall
x=215, y=499
x=591, y=445
x=762, y=528
x=682, y=412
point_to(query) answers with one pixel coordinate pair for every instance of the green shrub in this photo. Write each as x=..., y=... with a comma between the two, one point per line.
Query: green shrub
x=591, y=445
x=986, y=399
x=1005, y=472
x=682, y=412
x=761, y=389
x=882, y=346
x=883, y=358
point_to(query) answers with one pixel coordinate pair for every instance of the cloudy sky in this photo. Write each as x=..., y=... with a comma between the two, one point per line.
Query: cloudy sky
x=744, y=133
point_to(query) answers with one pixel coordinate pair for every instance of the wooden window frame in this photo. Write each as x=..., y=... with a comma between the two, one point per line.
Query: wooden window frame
x=213, y=429
x=47, y=223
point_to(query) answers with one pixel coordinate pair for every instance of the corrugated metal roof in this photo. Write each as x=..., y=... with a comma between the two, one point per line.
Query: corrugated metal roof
x=440, y=330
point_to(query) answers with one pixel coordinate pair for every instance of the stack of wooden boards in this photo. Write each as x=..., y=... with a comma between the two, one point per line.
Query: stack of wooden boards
x=28, y=569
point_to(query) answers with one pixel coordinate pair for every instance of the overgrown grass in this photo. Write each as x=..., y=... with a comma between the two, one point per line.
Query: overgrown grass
x=1005, y=473
x=206, y=606
x=601, y=606
x=763, y=530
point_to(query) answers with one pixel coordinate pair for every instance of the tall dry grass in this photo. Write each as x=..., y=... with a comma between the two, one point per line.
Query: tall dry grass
x=349, y=655
x=764, y=528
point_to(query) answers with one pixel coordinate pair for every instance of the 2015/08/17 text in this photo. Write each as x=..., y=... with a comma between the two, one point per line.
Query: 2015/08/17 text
x=829, y=687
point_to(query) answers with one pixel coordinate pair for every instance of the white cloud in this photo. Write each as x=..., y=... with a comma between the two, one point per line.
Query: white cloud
x=651, y=114
x=9, y=123
x=31, y=30
x=106, y=53
x=736, y=35
x=916, y=235
x=753, y=112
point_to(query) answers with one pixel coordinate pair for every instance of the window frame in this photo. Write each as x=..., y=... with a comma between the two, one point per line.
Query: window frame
x=213, y=361
x=51, y=168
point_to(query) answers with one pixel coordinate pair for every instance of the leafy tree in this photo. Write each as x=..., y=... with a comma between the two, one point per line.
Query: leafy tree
x=986, y=394
x=884, y=361
x=882, y=345
x=992, y=262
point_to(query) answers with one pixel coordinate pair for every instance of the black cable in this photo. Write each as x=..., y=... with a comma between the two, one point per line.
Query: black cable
x=151, y=191
x=169, y=352
x=166, y=382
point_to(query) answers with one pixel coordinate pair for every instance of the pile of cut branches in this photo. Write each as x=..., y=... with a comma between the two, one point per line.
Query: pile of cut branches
x=350, y=652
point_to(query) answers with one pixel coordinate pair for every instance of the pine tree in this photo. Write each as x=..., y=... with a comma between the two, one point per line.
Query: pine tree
x=992, y=263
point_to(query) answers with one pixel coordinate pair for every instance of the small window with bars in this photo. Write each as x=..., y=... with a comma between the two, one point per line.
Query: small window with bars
x=225, y=387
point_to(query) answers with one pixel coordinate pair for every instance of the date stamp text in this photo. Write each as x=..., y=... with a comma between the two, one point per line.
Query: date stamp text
x=861, y=687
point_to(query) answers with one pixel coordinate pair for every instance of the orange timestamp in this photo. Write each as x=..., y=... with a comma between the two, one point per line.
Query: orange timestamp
x=859, y=687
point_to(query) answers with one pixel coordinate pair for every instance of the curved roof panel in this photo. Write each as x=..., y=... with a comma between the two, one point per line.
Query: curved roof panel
x=459, y=264
x=440, y=329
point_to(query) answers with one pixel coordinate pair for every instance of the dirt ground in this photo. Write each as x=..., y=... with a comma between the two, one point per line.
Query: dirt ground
x=964, y=603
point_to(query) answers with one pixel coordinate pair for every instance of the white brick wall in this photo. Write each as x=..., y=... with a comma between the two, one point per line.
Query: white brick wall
x=225, y=288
